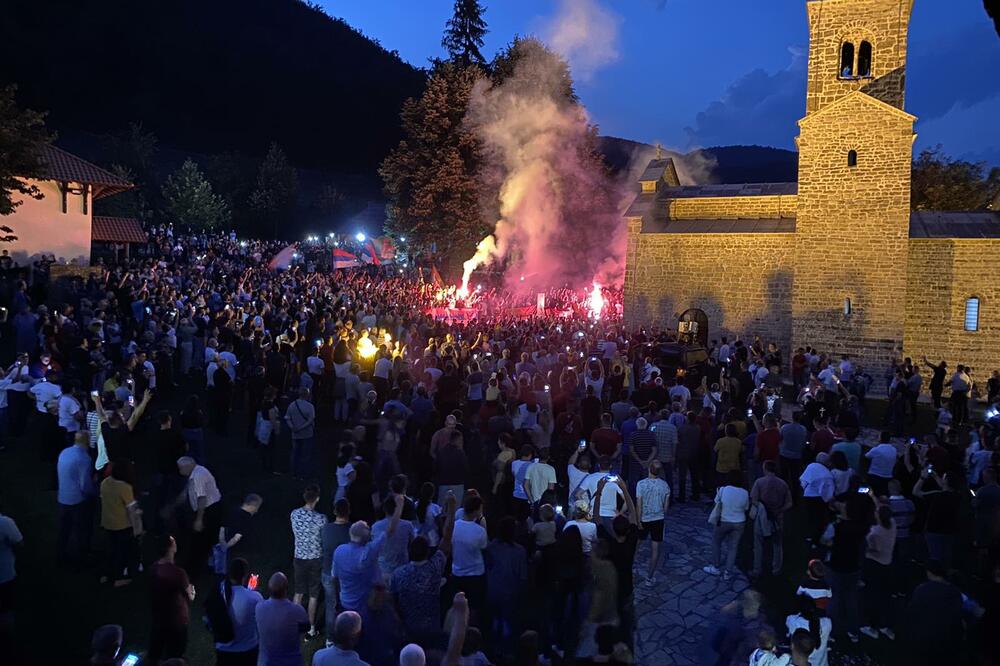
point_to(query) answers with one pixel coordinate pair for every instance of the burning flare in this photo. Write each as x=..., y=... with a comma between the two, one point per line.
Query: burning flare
x=484, y=254
x=596, y=301
x=366, y=348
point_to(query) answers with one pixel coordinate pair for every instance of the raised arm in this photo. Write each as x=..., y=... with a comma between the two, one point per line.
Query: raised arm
x=397, y=512
x=459, y=622
x=450, y=504
x=139, y=409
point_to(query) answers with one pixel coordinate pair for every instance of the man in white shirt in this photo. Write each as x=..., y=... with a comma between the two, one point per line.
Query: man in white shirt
x=829, y=378
x=724, y=351
x=846, y=369
x=69, y=413
x=314, y=364
x=606, y=512
x=205, y=500
x=230, y=357
x=817, y=492
x=883, y=462
x=46, y=389
x=213, y=365
x=540, y=477
x=468, y=542
x=679, y=393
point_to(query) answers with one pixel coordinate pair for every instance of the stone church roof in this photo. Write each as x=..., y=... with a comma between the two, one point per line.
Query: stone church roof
x=779, y=225
x=737, y=190
x=954, y=224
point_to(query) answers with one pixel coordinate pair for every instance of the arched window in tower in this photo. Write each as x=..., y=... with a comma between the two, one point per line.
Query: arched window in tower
x=848, y=307
x=972, y=314
x=852, y=158
x=865, y=59
x=847, y=61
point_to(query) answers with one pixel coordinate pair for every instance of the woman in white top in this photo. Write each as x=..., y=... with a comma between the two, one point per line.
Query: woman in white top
x=842, y=474
x=729, y=516
x=819, y=626
x=426, y=519
x=581, y=520
x=345, y=471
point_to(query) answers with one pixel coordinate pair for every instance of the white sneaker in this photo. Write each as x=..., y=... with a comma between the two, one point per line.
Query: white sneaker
x=869, y=632
x=711, y=570
x=854, y=637
x=888, y=633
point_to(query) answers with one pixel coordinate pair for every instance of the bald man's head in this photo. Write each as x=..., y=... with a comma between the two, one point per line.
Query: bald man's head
x=412, y=655
x=347, y=630
x=277, y=587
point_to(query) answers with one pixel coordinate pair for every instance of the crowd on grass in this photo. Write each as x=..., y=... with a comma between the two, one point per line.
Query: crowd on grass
x=492, y=477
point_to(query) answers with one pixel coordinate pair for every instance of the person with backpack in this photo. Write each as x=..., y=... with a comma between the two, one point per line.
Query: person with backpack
x=231, y=613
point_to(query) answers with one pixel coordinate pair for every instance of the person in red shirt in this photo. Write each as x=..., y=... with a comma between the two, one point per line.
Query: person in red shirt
x=768, y=439
x=823, y=439
x=170, y=592
x=605, y=441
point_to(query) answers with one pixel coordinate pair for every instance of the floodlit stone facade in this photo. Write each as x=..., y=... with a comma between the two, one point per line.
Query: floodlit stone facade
x=836, y=260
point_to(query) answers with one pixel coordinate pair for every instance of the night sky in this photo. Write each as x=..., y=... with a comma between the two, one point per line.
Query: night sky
x=698, y=73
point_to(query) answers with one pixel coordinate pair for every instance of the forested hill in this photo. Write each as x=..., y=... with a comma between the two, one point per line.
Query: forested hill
x=720, y=164
x=211, y=76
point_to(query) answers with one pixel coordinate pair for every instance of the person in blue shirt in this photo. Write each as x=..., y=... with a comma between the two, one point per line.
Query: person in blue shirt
x=355, y=564
x=279, y=623
x=243, y=649
x=76, y=495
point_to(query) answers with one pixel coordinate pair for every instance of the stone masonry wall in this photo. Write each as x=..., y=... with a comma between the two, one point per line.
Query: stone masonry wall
x=741, y=281
x=731, y=208
x=942, y=275
x=852, y=231
x=883, y=23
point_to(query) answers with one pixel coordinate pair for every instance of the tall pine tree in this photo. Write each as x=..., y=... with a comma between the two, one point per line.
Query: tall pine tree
x=431, y=178
x=463, y=35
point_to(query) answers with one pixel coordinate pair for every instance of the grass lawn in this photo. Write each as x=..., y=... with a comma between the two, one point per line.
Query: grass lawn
x=57, y=610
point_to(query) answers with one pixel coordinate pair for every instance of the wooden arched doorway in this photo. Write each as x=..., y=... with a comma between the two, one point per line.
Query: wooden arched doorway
x=692, y=327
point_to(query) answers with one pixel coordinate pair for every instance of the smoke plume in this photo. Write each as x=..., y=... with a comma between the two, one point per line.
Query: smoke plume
x=585, y=34
x=560, y=211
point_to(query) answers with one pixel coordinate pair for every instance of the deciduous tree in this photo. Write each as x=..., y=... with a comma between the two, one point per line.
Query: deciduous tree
x=22, y=136
x=942, y=183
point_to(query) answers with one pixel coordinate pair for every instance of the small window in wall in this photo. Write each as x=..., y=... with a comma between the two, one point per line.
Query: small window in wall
x=865, y=59
x=972, y=314
x=848, y=308
x=852, y=158
x=847, y=61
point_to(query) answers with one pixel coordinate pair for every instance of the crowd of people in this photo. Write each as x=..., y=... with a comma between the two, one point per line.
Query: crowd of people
x=474, y=491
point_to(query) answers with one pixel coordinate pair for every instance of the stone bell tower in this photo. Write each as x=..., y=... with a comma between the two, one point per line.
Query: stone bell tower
x=853, y=210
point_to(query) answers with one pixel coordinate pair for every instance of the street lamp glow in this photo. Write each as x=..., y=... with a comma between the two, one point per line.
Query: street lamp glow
x=402, y=239
x=360, y=236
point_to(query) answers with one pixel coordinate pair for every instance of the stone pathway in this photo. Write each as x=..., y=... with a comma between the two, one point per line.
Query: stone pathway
x=673, y=615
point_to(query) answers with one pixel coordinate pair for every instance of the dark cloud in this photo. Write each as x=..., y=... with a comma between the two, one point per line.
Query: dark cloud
x=758, y=108
x=960, y=68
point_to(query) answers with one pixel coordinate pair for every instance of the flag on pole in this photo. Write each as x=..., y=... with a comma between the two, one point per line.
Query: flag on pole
x=283, y=259
x=344, y=259
x=373, y=253
x=436, y=277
